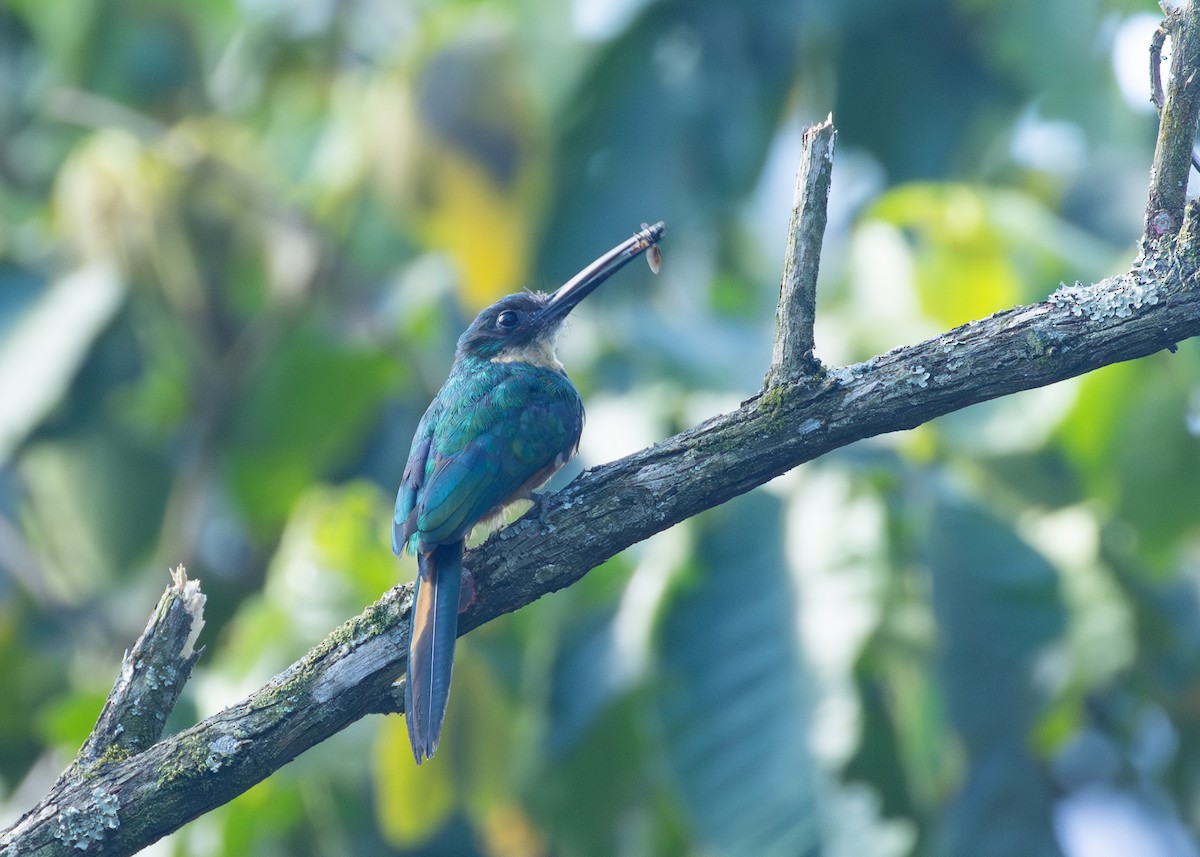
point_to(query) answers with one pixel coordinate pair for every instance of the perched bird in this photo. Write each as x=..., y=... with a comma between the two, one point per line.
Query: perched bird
x=504, y=421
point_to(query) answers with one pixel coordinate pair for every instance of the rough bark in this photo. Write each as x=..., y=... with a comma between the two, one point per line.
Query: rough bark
x=792, y=355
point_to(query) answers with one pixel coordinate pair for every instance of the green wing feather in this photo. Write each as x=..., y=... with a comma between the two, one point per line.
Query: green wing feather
x=496, y=431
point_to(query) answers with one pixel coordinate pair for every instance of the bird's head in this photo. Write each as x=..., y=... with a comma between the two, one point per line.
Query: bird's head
x=524, y=327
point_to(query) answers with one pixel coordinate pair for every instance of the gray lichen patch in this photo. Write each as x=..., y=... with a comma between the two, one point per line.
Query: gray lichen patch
x=220, y=750
x=80, y=826
x=918, y=376
x=1102, y=302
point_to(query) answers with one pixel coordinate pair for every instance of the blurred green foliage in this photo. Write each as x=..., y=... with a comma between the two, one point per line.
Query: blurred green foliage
x=239, y=239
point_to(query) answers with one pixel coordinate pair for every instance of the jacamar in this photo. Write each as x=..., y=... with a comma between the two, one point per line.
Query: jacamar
x=504, y=421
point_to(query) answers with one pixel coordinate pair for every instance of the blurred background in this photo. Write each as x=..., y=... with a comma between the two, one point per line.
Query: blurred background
x=238, y=240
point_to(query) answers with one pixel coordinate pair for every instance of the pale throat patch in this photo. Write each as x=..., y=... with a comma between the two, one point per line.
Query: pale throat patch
x=540, y=352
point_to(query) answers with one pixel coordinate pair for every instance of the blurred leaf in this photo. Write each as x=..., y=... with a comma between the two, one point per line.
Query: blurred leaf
x=468, y=166
x=31, y=663
x=1102, y=405
x=584, y=680
x=91, y=538
x=483, y=229
x=158, y=402
x=160, y=66
x=481, y=723
x=303, y=414
x=897, y=103
x=878, y=760
x=411, y=803
x=586, y=799
x=112, y=204
x=333, y=558
x=47, y=342
x=733, y=695
x=20, y=289
x=68, y=721
x=997, y=604
x=670, y=122
x=1064, y=34
x=1045, y=478
x=903, y=752
x=260, y=640
x=508, y=832
x=259, y=818
x=351, y=534
x=1129, y=437
x=1167, y=616
x=956, y=244
x=19, y=62
x=978, y=251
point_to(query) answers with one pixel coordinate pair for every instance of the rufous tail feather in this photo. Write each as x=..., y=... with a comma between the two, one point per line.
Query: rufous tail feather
x=431, y=638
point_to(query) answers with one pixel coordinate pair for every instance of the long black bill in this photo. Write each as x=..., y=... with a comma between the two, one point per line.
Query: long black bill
x=586, y=281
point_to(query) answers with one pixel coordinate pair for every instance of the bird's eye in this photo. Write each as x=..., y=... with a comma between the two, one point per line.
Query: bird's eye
x=507, y=320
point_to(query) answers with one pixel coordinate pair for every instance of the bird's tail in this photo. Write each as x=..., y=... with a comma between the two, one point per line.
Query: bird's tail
x=431, y=640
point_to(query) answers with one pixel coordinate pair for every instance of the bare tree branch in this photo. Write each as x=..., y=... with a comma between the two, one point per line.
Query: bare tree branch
x=1179, y=112
x=153, y=674
x=117, y=802
x=1157, y=97
x=792, y=356
x=122, y=805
